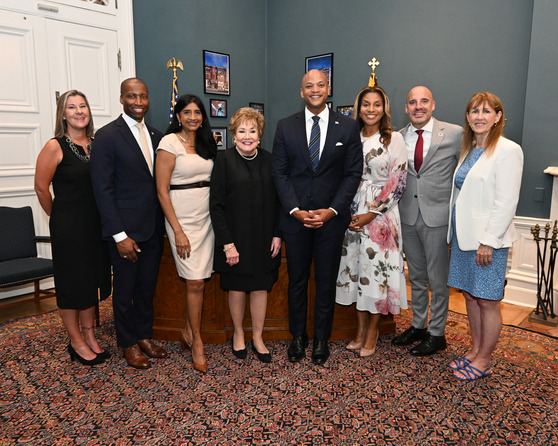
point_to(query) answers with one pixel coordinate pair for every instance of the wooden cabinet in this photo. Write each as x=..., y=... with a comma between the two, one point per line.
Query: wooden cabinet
x=170, y=309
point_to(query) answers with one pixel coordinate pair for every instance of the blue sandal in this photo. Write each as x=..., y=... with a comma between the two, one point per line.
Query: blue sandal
x=472, y=373
x=459, y=363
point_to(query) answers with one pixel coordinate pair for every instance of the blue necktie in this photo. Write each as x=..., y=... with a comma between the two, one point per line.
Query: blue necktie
x=314, y=146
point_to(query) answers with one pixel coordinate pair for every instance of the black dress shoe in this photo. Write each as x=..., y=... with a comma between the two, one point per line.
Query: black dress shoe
x=240, y=354
x=263, y=357
x=320, y=353
x=429, y=346
x=296, y=351
x=409, y=336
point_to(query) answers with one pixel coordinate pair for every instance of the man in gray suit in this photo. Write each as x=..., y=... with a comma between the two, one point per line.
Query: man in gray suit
x=433, y=148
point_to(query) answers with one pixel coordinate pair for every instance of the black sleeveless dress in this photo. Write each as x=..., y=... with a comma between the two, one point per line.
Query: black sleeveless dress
x=80, y=256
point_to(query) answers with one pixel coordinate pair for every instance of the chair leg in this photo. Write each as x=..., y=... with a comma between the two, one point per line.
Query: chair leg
x=97, y=315
x=37, y=293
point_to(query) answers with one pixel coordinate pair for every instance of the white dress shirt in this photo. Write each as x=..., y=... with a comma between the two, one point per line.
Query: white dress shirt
x=323, y=122
x=411, y=137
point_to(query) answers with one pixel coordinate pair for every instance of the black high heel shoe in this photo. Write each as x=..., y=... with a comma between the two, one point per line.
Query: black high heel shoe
x=75, y=355
x=104, y=355
x=263, y=357
x=240, y=354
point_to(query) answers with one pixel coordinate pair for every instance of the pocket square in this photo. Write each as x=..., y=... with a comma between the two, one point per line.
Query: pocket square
x=338, y=144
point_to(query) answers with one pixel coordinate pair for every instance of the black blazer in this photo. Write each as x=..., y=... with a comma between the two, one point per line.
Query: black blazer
x=336, y=179
x=124, y=189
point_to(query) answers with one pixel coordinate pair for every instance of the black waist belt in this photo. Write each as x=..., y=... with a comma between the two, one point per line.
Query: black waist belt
x=189, y=186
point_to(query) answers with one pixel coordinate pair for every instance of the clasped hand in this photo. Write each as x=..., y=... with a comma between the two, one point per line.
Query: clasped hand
x=361, y=220
x=315, y=218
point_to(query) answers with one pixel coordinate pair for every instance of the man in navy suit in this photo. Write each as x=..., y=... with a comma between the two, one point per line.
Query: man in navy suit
x=317, y=166
x=122, y=170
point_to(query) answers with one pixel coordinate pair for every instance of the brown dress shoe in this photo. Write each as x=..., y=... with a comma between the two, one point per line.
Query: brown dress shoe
x=135, y=358
x=151, y=349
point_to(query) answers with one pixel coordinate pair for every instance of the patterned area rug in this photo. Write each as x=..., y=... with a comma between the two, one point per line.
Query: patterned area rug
x=391, y=399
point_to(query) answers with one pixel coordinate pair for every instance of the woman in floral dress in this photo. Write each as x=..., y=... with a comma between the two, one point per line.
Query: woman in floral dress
x=372, y=273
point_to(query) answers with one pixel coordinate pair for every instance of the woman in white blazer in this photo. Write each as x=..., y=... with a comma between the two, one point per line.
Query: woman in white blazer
x=483, y=202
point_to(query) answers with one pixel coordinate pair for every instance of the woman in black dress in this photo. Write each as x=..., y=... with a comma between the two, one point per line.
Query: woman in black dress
x=80, y=256
x=244, y=212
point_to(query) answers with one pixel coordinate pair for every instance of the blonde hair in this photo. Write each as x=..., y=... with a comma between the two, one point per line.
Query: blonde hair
x=385, y=122
x=61, y=126
x=247, y=114
x=478, y=99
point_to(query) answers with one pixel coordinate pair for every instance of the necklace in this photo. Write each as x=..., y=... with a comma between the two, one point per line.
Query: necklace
x=249, y=158
x=85, y=158
x=187, y=141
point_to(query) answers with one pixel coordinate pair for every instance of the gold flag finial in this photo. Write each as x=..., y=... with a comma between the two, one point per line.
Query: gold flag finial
x=373, y=64
x=174, y=64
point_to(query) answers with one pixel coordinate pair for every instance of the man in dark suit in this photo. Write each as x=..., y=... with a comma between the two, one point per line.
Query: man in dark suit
x=433, y=148
x=122, y=169
x=317, y=166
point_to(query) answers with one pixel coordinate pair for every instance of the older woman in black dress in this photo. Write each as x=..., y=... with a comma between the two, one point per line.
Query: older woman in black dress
x=244, y=212
x=80, y=256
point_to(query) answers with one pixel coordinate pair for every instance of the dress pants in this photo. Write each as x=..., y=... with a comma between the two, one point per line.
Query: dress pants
x=326, y=251
x=427, y=254
x=133, y=289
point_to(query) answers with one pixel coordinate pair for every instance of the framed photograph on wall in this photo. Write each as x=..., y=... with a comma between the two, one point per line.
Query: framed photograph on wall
x=218, y=108
x=257, y=106
x=220, y=135
x=216, y=73
x=324, y=63
x=346, y=110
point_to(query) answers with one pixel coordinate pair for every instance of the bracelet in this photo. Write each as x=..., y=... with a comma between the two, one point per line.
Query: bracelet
x=226, y=248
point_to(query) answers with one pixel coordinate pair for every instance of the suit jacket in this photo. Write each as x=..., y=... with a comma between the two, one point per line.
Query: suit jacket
x=124, y=188
x=486, y=204
x=430, y=190
x=335, y=181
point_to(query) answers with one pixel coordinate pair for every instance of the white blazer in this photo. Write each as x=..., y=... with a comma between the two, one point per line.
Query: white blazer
x=486, y=204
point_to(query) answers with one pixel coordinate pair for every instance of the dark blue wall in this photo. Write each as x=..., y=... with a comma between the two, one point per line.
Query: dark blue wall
x=456, y=48
x=164, y=29
x=540, y=128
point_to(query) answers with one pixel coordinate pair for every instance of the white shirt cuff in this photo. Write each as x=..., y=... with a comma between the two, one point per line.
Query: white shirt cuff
x=119, y=237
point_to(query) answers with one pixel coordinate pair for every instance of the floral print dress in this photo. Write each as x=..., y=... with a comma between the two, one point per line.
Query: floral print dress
x=372, y=272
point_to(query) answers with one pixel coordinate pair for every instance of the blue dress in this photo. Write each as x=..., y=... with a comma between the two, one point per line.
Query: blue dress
x=485, y=282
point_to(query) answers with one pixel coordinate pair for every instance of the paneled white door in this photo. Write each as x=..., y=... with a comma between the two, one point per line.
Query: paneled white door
x=85, y=58
x=24, y=98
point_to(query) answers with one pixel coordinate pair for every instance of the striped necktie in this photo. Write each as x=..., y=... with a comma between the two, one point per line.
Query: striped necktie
x=314, y=145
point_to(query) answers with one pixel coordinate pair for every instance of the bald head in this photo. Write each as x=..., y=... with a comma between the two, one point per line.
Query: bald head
x=314, y=90
x=419, y=106
x=130, y=80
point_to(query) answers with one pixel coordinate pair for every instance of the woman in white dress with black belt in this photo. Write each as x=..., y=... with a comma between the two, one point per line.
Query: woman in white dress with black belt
x=183, y=169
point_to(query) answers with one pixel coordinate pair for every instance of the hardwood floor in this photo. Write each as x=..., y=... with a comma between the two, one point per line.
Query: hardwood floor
x=515, y=315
